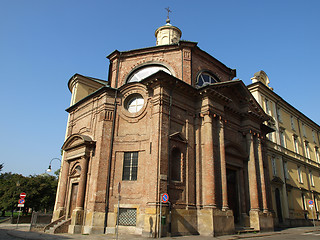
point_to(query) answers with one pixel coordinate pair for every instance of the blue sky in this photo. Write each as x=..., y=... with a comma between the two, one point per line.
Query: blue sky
x=43, y=43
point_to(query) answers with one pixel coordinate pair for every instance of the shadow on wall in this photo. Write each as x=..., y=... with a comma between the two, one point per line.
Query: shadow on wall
x=184, y=222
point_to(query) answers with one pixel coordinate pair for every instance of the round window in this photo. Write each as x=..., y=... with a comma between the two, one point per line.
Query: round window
x=205, y=79
x=134, y=103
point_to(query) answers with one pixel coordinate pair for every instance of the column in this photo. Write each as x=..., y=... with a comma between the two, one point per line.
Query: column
x=63, y=185
x=263, y=183
x=208, y=180
x=82, y=183
x=253, y=188
x=223, y=166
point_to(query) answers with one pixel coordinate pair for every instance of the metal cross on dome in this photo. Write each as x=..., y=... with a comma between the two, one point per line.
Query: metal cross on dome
x=169, y=11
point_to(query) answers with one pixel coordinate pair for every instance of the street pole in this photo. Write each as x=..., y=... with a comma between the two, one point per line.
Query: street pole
x=313, y=216
x=18, y=218
x=118, y=213
x=160, y=217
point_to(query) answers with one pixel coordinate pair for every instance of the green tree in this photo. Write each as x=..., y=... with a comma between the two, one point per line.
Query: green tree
x=40, y=191
x=10, y=189
x=1, y=166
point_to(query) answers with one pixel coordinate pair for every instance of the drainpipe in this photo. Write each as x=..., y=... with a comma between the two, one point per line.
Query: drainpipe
x=111, y=146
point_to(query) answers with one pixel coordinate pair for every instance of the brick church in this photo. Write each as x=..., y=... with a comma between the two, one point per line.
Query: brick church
x=169, y=119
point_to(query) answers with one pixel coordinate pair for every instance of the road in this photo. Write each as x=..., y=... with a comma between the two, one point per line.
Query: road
x=9, y=232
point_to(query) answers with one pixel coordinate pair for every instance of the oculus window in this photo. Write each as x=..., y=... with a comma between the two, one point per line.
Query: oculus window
x=205, y=79
x=130, y=166
x=146, y=71
x=134, y=103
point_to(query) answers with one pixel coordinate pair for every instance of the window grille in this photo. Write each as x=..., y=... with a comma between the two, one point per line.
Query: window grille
x=127, y=216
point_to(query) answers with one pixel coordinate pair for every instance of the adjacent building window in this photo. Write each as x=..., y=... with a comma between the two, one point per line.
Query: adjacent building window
x=300, y=175
x=279, y=115
x=316, y=152
x=303, y=198
x=306, y=145
x=267, y=106
x=282, y=138
x=314, y=136
x=274, y=166
x=304, y=130
x=292, y=123
x=295, y=144
x=127, y=216
x=130, y=166
x=311, y=178
x=286, y=172
x=176, y=164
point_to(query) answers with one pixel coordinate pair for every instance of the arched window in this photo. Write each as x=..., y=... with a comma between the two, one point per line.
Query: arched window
x=206, y=78
x=176, y=164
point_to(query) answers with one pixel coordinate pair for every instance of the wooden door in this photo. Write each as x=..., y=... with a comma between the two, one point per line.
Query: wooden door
x=73, y=198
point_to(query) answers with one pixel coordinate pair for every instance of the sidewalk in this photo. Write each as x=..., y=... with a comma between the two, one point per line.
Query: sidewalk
x=22, y=232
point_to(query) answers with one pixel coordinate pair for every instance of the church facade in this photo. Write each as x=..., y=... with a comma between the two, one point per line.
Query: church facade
x=169, y=119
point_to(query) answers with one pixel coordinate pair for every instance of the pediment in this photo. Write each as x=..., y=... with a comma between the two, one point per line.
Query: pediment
x=277, y=180
x=76, y=140
x=177, y=137
x=240, y=99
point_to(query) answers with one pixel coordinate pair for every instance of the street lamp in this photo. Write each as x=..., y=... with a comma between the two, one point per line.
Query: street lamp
x=49, y=168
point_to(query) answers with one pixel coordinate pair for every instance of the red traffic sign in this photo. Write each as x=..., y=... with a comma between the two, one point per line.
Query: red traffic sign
x=165, y=197
x=310, y=202
x=22, y=201
x=23, y=195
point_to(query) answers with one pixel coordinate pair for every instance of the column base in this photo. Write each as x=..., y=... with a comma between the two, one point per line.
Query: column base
x=57, y=214
x=261, y=221
x=215, y=222
x=76, y=221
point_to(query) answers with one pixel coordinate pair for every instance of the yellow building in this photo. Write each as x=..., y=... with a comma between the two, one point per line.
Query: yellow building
x=293, y=156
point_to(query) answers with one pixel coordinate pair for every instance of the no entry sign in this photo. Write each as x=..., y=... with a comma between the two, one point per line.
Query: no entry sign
x=165, y=197
x=23, y=195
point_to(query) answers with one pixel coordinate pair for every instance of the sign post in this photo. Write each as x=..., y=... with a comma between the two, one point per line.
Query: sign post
x=21, y=205
x=164, y=199
x=311, y=206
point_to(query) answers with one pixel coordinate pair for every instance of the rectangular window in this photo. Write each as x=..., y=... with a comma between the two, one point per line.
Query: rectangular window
x=304, y=130
x=292, y=123
x=130, y=166
x=311, y=178
x=303, y=198
x=270, y=137
x=299, y=175
x=316, y=152
x=279, y=115
x=274, y=167
x=127, y=216
x=286, y=173
x=282, y=138
x=314, y=136
x=306, y=144
x=296, y=145
x=267, y=107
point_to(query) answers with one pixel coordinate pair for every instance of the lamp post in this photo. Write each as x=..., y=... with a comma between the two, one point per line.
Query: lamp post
x=49, y=168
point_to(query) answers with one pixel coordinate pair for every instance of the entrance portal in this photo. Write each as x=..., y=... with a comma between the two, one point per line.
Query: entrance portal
x=233, y=200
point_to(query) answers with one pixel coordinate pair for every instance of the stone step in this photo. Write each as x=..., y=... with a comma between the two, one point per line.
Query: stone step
x=241, y=230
